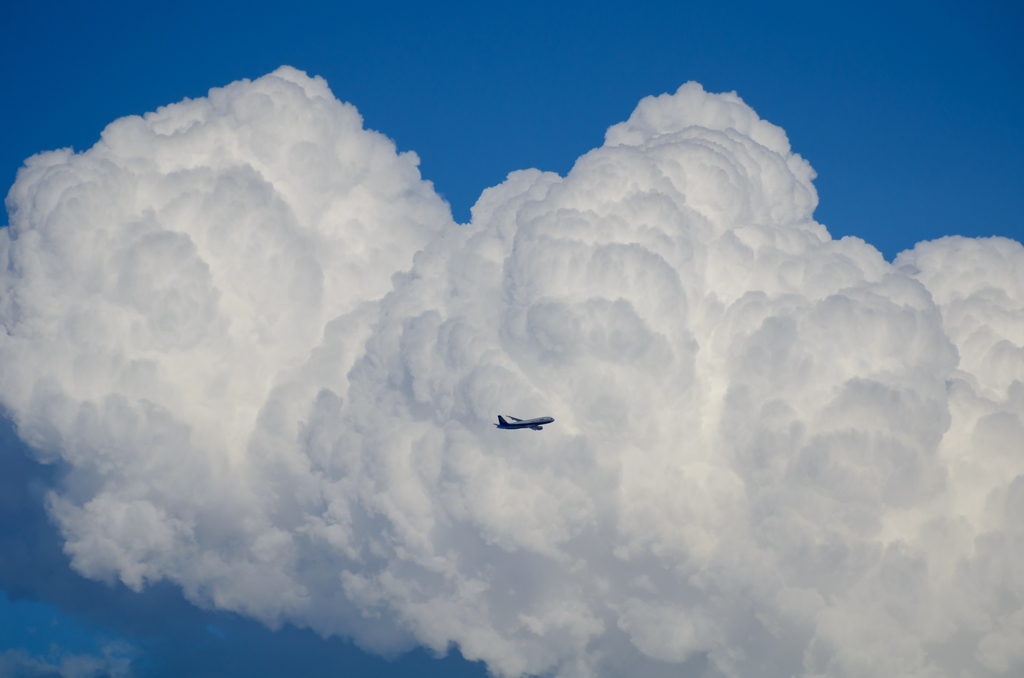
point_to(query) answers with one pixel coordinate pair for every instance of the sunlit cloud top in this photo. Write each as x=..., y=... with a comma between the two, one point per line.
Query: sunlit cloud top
x=273, y=362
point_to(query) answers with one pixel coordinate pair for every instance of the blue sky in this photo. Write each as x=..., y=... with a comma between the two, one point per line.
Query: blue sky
x=911, y=115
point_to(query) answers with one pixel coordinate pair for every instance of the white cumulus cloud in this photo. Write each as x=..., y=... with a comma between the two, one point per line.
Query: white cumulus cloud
x=273, y=362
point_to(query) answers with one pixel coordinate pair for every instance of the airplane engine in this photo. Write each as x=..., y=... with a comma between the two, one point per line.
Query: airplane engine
x=537, y=428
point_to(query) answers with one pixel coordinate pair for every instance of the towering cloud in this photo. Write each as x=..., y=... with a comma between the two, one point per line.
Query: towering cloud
x=272, y=361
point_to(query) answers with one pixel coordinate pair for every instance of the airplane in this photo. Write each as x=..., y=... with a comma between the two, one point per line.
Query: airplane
x=535, y=424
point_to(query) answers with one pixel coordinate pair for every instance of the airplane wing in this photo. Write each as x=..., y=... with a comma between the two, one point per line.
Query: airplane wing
x=513, y=418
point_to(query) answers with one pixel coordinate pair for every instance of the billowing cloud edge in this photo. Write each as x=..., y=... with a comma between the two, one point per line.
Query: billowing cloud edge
x=272, y=361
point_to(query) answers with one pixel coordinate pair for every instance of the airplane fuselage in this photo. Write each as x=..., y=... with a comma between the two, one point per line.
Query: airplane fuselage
x=536, y=424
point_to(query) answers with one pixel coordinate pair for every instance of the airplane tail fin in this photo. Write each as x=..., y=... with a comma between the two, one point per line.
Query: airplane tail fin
x=501, y=420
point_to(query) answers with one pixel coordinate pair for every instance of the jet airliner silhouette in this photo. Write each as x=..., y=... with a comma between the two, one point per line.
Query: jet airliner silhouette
x=535, y=424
